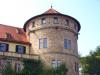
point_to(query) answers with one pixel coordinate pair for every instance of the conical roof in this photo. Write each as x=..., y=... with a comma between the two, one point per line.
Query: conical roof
x=51, y=11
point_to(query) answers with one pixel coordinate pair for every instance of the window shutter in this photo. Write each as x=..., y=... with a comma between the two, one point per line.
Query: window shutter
x=16, y=48
x=7, y=47
x=24, y=49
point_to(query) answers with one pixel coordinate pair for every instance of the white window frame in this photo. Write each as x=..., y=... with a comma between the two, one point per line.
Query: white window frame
x=43, y=43
x=56, y=63
x=43, y=20
x=55, y=20
x=67, y=44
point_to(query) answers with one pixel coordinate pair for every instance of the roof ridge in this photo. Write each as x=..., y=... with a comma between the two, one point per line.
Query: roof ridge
x=10, y=26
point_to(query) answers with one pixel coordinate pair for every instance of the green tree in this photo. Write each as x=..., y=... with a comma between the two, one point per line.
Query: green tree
x=36, y=67
x=32, y=67
x=91, y=63
x=61, y=70
x=8, y=70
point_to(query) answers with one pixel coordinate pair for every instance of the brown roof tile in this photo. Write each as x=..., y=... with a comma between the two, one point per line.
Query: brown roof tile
x=13, y=34
x=51, y=11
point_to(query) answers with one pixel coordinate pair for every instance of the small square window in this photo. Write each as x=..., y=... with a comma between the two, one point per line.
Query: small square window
x=66, y=22
x=55, y=21
x=43, y=21
x=20, y=49
x=3, y=47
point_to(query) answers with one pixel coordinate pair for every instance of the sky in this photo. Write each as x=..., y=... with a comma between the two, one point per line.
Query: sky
x=87, y=12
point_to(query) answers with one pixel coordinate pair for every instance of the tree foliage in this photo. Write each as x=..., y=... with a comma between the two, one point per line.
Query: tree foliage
x=32, y=67
x=61, y=70
x=91, y=63
x=35, y=67
x=8, y=70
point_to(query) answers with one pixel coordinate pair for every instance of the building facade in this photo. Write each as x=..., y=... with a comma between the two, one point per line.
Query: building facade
x=51, y=35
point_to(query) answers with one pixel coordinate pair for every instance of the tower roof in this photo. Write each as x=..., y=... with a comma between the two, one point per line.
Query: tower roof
x=51, y=11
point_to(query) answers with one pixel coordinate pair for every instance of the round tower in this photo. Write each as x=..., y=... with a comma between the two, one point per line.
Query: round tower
x=54, y=36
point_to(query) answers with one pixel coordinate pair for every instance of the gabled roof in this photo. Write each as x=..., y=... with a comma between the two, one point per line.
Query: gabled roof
x=12, y=34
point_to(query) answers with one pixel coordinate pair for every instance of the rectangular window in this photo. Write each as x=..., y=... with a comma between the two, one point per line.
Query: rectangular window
x=43, y=21
x=40, y=43
x=18, y=67
x=43, y=43
x=20, y=49
x=75, y=26
x=3, y=47
x=66, y=22
x=56, y=63
x=67, y=43
x=55, y=21
x=33, y=24
x=76, y=67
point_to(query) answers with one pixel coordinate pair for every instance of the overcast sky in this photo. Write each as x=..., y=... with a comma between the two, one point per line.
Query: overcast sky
x=87, y=12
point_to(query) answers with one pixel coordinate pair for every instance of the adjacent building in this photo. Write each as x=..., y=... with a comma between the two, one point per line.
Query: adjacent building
x=52, y=36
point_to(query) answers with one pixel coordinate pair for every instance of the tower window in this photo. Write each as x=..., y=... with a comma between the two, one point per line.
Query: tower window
x=55, y=20
x=76, y=67
x=43, y=43
x=56, y=63
x=67, y=44
x=43, y=21
x=75, y=26
x=33, y=24
x=66, y=22
x=3, y=47
x=20, y=49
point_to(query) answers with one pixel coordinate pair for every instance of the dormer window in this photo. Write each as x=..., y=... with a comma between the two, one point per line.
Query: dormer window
x=55, y=20
x=19, y=31
x=8, y=36
x=43, y=21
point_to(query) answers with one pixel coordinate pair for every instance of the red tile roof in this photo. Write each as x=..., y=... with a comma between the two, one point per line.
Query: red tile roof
x=51, y=11
x=12, y=34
